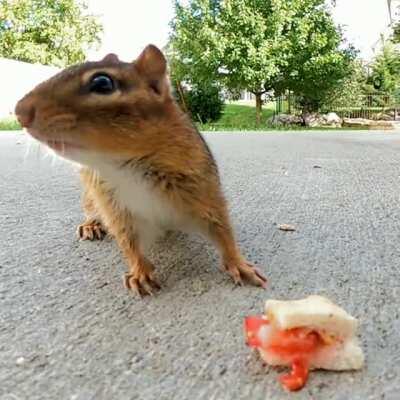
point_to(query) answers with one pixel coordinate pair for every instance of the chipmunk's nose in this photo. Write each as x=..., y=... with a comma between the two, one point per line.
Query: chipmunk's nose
x=25, y=112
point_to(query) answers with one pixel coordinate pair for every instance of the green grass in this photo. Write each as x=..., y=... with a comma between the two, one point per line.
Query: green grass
x=243, y=118
x=9, y=124
x=234, y=118
x=239, y=118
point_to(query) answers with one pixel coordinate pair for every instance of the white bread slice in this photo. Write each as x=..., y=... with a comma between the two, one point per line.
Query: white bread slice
x=347, y=355
x=315, y=312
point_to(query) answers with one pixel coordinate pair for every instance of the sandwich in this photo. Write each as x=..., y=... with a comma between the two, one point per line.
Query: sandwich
x=307, y=334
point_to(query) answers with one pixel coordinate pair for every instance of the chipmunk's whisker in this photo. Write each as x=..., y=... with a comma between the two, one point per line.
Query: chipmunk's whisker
x=33, y=147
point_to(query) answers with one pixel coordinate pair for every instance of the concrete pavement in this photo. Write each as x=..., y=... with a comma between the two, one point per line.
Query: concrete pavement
x=68, y=329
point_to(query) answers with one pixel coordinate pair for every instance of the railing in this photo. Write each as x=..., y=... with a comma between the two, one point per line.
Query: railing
x=375, y=106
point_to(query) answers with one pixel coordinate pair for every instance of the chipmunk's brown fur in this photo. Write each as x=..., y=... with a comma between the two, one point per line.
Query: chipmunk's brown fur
x=145, y=166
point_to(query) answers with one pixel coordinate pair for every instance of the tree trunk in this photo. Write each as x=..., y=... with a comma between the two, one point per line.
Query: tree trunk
x=258, y=108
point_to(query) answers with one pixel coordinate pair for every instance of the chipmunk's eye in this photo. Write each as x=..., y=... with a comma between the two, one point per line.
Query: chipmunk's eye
x=101, y=84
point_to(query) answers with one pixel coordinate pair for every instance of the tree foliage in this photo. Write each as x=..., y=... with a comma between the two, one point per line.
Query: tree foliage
x=50, y=32
x=317, y=63
x=385, y=74
x=260, y=46
x=192, y=46
x=352, y=90
x=192, y=59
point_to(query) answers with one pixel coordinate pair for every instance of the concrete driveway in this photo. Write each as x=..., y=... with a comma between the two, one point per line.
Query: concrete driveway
x=68, y=329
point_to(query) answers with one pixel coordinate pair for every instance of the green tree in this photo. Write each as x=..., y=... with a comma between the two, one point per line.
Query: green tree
x=316, y=63
x=260, y=45
x=352, y=90
x=192, y=49
x=250, y=40
x=191, y=52
x=194, y=61
x=385, y=74
x=234, y=42
x=50, y=32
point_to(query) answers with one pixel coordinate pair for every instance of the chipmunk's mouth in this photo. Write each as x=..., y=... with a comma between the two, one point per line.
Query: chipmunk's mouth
x=59, y=145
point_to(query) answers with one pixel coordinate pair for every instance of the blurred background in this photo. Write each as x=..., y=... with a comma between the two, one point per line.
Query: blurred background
x=234, y=63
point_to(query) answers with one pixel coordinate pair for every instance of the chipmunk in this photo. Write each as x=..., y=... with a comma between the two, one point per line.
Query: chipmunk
x=145, y=168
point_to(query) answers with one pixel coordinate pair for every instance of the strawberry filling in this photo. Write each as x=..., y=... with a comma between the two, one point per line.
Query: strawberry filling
x=294, y=346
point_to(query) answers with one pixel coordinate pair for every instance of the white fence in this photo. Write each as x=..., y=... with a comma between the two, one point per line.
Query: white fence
x=16, y=79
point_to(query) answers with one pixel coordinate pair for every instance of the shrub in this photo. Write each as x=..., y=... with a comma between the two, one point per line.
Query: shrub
x=9, y=124
x=204, y=103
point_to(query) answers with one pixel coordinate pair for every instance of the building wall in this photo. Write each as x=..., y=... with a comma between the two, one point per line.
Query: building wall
x=16, y=79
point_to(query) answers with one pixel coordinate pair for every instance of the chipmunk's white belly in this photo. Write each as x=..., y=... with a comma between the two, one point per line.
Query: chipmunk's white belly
x=152, y=211
x=145, y=202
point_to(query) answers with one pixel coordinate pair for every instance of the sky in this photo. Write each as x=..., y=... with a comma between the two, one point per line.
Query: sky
x=129, y=25
x=363, y=21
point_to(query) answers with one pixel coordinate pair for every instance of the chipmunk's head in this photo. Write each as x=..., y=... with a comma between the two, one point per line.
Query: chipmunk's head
x=99, y=107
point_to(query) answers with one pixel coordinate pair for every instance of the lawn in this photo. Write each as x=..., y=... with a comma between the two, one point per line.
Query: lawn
x=9, y=124
x=239, y=118
x=235, y=117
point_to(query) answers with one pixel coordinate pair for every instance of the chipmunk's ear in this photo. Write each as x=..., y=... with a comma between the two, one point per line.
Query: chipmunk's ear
x=152, y=65
x=111, y=58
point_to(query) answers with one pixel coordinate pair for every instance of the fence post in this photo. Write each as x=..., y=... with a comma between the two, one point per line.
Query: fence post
x=278, y=105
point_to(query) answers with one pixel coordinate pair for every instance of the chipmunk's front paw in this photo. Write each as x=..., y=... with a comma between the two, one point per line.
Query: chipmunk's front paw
x=142, y=281
x=91, y=230
x=240, y=270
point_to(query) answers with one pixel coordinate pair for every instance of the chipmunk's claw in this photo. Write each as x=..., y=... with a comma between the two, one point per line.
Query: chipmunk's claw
x=244, y=270
x=142, y=283
x=92, y=230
